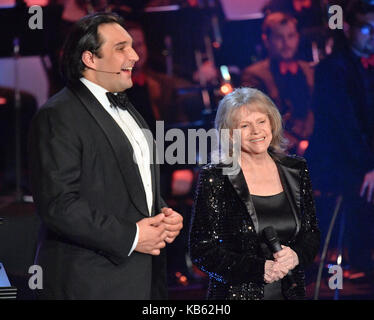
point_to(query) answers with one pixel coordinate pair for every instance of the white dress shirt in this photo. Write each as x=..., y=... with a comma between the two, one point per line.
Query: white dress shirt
x=137, y=139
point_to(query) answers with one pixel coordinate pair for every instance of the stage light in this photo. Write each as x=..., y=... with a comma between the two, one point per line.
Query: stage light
x=225, y=73
x=216, y=45
x=183, y=280
x=339, y=260
x=303, y=145
x=226, y=88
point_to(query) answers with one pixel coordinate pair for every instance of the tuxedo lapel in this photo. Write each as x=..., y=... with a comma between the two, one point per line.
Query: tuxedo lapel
x=152, y=149
x=136, y=115
x=155, y=181
x=120, y=144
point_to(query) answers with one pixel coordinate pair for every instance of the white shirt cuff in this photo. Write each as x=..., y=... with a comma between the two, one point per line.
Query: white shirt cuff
x=135, y=243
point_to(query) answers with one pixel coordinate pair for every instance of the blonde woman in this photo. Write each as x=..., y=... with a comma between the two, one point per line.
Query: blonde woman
x=231, y=211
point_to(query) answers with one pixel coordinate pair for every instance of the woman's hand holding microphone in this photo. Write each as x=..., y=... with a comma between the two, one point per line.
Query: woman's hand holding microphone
x=285, y=260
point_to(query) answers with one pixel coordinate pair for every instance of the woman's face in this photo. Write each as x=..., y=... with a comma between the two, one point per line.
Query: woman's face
x=255, y=128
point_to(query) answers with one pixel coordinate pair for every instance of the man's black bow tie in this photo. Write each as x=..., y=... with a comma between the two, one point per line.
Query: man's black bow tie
x=119, y=100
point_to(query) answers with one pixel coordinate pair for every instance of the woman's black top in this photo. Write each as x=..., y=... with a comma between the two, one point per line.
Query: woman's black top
x=274, y=211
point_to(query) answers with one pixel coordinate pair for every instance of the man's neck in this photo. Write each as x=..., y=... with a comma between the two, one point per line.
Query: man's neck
x=92, y=81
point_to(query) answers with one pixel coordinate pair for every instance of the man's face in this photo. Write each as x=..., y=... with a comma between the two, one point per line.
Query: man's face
x=139, y=46
x=116, y=55
x=361, y=34
x=283, y=41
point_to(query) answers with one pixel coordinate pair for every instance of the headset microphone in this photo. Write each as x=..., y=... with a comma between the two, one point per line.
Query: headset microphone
x=104, y=71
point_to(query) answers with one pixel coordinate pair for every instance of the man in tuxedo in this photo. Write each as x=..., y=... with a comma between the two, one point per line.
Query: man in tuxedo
x=95, y=179
x=287, y=80
x=341, y=152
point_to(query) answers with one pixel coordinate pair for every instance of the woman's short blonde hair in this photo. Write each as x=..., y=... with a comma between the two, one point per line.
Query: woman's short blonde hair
x=254, y=100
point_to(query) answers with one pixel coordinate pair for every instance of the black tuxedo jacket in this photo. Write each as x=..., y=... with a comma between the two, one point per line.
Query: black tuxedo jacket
x=89, y=194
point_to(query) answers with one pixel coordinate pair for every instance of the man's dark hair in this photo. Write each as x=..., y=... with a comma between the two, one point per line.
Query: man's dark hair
x=276, y=18
x=84, y=36
x=357, y=7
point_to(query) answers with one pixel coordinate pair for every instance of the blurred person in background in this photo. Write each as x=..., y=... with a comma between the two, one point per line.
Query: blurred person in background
x=341, y=153
x=287, y=80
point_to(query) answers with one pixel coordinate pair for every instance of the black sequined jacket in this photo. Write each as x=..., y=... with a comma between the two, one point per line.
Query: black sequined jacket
x=223, y=237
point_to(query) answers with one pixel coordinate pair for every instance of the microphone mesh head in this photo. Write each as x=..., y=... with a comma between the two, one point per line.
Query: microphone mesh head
x=270, y=234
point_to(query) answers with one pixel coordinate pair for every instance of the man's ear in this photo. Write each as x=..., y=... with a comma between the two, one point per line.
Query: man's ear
x=88, y=59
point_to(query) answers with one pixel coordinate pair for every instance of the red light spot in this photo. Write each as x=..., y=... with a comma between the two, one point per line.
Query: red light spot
x=184, y=174
x=304, y=144
x=226, y=88
x=3, y=100
x=216, y=44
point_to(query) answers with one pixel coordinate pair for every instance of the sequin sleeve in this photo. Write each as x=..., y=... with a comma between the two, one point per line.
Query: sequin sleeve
x=308, y=240
x=207, y=249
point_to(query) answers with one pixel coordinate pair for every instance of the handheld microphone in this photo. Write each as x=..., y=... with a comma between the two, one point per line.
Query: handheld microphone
x=104, y=71
x=271, y=237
